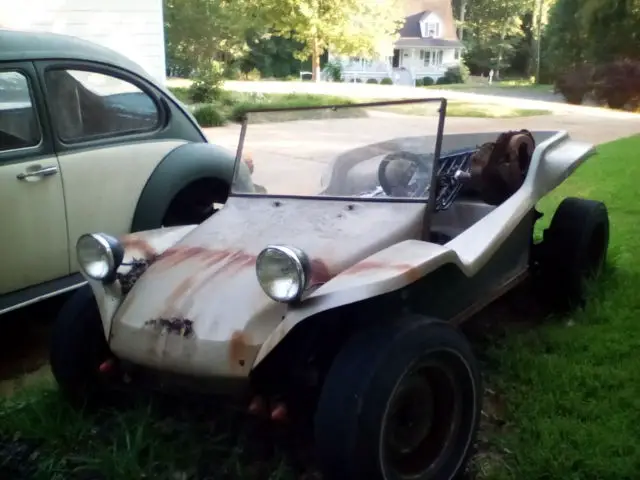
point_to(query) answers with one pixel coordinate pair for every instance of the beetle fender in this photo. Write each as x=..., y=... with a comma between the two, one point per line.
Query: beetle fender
x=182, y=166
x=383, y=272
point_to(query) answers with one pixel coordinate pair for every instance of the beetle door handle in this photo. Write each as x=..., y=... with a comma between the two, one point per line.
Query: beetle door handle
x=41, y=172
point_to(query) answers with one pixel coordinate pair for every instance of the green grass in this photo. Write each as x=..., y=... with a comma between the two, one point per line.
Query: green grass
x=566, y=401
x=232, y=106
x=505, y=84
x=570, y=387
x=469, y=109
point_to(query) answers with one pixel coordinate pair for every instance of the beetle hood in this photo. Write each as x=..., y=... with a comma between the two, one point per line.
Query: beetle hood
x=205, y=288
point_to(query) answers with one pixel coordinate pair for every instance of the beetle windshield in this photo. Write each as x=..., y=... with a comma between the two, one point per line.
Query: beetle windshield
x=369, y=150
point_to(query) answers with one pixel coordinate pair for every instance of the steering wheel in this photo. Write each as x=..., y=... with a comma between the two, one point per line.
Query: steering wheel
x=404, y=174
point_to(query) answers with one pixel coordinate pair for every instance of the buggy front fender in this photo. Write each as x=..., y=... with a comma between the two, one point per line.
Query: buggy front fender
x=386, y=271
x=145, y=246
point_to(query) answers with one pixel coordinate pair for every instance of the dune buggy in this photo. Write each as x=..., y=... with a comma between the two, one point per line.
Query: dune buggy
x=338, y=292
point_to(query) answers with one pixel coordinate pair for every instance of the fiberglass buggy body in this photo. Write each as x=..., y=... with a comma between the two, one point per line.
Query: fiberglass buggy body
x=344, y=303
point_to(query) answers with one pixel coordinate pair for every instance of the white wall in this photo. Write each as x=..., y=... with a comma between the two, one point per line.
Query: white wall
x=131, y=27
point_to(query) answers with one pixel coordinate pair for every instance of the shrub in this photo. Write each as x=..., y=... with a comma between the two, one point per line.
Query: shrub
x=443, y=81
x=358, y=80
x=386, y=81
x=210, y=115
x=618, y=84
x=459, y=74
x=334, y=71
x=372, y=80
x=428, y=81
x=575, y=84
x=207, y=83
x=251, y=76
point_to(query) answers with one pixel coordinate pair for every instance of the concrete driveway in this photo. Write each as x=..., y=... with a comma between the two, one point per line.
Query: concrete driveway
x=302, y=150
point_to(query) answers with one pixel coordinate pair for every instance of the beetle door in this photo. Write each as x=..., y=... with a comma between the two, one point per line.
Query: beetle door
x=33, y=234
x=110, y=133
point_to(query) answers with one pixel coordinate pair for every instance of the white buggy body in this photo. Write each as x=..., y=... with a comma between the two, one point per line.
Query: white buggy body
x=358, y=250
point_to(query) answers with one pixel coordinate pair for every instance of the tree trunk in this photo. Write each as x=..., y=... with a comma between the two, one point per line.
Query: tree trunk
x=463, y=11
x=315, y=61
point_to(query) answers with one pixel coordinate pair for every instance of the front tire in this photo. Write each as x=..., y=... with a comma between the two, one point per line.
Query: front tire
x=400, y=401
x=78, y=347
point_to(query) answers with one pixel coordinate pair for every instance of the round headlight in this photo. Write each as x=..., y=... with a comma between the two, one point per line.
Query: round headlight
x=99, y=255
x=282, y=272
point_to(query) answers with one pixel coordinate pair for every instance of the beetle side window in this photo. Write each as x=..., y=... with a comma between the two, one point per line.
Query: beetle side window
x=19, y=126
x=89, y=105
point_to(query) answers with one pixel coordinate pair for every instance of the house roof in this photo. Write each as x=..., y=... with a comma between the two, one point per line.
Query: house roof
x=20, y=45
x=426, y=42
x=416, y=10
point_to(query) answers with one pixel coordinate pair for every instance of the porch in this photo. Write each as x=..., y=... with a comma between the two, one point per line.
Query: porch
x=404, y=67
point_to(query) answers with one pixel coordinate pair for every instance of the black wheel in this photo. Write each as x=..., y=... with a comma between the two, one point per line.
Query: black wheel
x=574, y=250
x=196, y=202
x=78, y=348
x=400, y=401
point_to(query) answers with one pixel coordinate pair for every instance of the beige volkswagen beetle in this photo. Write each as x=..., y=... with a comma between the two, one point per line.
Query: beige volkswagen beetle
x=337, y=293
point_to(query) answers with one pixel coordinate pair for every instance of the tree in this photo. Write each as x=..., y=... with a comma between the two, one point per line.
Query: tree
x=495, y=27
x=345, y=27
x=201, y=31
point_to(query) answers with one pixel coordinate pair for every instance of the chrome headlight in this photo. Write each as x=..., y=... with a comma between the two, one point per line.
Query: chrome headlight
x=99, y=255
x=283, y=272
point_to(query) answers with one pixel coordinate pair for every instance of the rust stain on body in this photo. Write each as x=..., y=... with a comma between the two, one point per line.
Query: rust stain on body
x=176, y=325
x=407, y=269
x=239, y=349
x=132, y=242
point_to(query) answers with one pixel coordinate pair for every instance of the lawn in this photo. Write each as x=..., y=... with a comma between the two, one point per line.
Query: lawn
x=231, y=106
x=563, y=399
x=505, y=84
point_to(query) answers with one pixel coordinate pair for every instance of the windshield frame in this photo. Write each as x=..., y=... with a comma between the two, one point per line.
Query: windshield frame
x=430, y=200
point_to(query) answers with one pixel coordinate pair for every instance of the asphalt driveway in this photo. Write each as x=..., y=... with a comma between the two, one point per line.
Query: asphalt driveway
x=303, y=149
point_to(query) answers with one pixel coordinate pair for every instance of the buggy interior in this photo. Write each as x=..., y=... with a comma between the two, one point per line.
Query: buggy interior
x=477, y=172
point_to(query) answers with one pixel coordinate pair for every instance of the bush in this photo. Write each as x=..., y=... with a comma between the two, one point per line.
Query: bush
x=618, y=84
x=358, y=80
x=372, y=81
x=251, y=76
x=334, y=71
x=210, y=115
x=459, y=74
x=575, y=84
x=443, y=81
x=428, y=81
x=207, y=83
x=386, y=81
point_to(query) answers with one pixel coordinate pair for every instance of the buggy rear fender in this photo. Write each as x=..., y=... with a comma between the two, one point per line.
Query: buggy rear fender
x=395, y=267
x=386, y=271
x=138, y=246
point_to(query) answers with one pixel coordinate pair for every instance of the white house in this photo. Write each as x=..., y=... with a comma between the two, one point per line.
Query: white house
x=427, y=46
x=132, y=27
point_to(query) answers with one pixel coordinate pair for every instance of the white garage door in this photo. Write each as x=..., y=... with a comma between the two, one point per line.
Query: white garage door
x=131, y=27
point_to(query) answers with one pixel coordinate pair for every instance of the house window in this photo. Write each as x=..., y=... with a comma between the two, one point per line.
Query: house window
x=425, y=56
x=456, y=54
x=433, y=29
x=440, y=53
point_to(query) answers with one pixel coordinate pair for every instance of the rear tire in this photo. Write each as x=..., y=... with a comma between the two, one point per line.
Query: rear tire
x=574, y=250
x=78, y=347
x=419, y=367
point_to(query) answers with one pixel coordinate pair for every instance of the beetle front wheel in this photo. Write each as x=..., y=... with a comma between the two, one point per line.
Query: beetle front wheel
x=400, y=401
